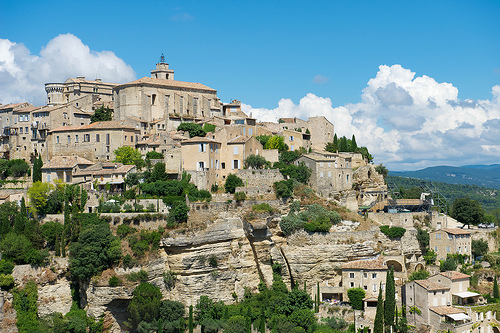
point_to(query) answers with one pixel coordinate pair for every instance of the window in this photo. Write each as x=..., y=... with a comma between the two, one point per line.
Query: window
x=374, y=287
x=447, y=249
x=291, y=138
x=292, y=147
x=320, y=164
x=107, y=138
x=26, y=129
x=236, y=164
x=48, y=178
x=97, y=138
x=244, y=131
x=348, y=178
x=450, y=237
x=365, y=287
x=86, y=137
x=69, y=139
x=107, y=149
x=223, y=165
x=201, y=166
x=352, y=284
x=321, y=174
x=374, y=275
x=435, y=248
x=65, y=115
x=351, y=275
x=76, y=138
x=438, y=236
x=235, y=150
x=125, y=138
x=202, y=148
x=57, y=139
x=365, y=275
x=20, y=130
x=329, y=174
x=250, y=131
x=459, y=249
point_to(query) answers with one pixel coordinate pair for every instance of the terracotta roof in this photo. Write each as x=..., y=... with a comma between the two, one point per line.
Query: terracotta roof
x=445, y=310
x=157, y=120
x=137, y=119
x=168, y=83
x=199, y=139
x=455, y=275
x=239, y=139
x=65, y=162
x=426, y=284
x=377, y=264
x=104, y=168
x=11, y=106
x=456, y=231
x=113, y=124
x=152, y=142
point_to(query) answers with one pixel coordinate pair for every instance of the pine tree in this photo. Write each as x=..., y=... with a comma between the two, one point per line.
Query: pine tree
x=390, y=298
x=191, y=319
x=378, y=325
x=496, y=293
x=343, y=144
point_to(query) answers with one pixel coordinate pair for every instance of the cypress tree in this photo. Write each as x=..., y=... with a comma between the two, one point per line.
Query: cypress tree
x=190, y=319
x=262, y=325
x=37, y=169
x=354, y=145
x=336, y=142
x=343, y=144
x=58, y=246
x=305, y=286
x=63, y=247
x=390, y=298
x=403, y=311
x=496, y=292
x=319, y=299
x=248, y=320
x=378, y=325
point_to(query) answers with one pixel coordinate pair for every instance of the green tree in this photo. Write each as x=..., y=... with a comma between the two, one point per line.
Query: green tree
x=102, y=114
x=423, y=238
x=38, y=194
x=95, y=250
x=378, y=324
x=479, y=247
x=192, y=128
x=448, y=265
x=276, y=142
x=207, y=127
x=255, y=162
x=236, y=324
x=154, y=155
x=178, y=213
x=145, y=304
x=382, y=170
x=128, y=155
x=232, y=182
x=15, y=247
x=37, y=169
x=390, y=298
x=353, y=146
x=467, y=211
x=356, y=296
x=263, y=139
x=496, y=293
x=430, y=257
x=288, y=156
x=191, y=327
x=418, y=275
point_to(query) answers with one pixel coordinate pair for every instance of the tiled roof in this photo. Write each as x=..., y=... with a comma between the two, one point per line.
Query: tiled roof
x=199, y=139
x=453, y=275
x=65, y=162
x=113, y=124
x=137, y=119
x=456, y=231
x=168, y=83
x=377, y=264
x=11, y=106
x=239, y=139
x=445, y=310
x=426, y=284
x=105, y=168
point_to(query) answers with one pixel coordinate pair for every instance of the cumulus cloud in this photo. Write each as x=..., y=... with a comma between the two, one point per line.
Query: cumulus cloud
x=320, y=79
x=23, y=75
x=408, y=122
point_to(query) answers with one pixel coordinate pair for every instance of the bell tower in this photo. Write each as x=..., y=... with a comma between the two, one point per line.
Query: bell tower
x=162, y=71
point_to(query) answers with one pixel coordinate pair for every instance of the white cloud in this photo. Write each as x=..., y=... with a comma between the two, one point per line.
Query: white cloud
x=182, y=17
x=408, y=122
x=320, y=79
x=23, y=75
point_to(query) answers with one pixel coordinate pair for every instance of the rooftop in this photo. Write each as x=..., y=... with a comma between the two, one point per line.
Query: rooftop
x=168, y=83
x=199, y=139
x=453, y=275
x=65, y=162
x=455, y=231
x=105, y=168
x=113, y=124
x=377, y=264
x=239, y=139
x=445, y=310
x=426, y=284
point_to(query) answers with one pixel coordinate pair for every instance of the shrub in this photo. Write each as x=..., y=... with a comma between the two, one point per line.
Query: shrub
x=128, y=261
x=290, y=223
x=178, y=213
x=127, y=208
x=419, y=275
x=232, y=182
x=321, y=224
x=114, y=281
x=141, y=276
x=255, y=162
x=479, y=247
x=151, y=208
x=448, y=265
x=169, y=278
x=392, y=232
x=283, y=188
x=263, y=207
x=154, y=155
x=6, y=267
x=356, y=296
x=6, y=281
x=124, y=230
x=129, y=194
x=214, y=188
x=212, y=261
x=240, y=196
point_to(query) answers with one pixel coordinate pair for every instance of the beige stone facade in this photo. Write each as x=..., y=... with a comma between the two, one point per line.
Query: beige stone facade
x=368, y=274
x=75, y=88
x=201, y=158
x=320, y=129
x=449, y=241
x=63, y=168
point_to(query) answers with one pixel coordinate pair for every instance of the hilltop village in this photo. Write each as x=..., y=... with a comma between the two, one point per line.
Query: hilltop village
x=158, y=184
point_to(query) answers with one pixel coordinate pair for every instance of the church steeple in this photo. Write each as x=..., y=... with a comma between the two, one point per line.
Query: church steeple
x=162, y=71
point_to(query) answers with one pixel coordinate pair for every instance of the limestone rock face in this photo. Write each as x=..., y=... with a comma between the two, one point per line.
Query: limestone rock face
x=370, y=185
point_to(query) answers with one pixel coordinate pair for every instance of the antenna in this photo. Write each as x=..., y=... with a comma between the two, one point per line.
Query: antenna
x=162, y=59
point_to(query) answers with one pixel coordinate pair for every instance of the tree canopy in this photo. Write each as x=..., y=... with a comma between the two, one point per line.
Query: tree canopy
x=467, y=211
x=102, y=114
x=128, y=155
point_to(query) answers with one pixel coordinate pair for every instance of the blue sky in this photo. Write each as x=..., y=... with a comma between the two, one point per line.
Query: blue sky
x=265, y=52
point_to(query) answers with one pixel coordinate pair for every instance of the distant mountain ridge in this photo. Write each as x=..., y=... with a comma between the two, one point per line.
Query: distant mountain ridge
x=480, y=175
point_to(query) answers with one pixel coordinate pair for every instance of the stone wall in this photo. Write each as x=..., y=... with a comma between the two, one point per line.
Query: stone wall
x=405, y=220
x=260, y=177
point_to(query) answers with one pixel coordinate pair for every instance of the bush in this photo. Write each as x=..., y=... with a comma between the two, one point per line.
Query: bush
x=124, y=230
x=141, y=276
x=178, y=213
x=6, y=267
x=154, y=155
x=232, y=182
x=6, y=281
x=479, y=247
x=263, y=207
x=321, y=224
x=356, y=296
x=392, y=232
x=128, y=261
x=448, y=265
x=129, y=194
x=290, y=223
x=127, y=208
x=114, y=281
x=255, y=162
x=419, y=275
x=212, y=261
x=240, y=196
x=151, y=208
x=214, y=188
x=283, y=188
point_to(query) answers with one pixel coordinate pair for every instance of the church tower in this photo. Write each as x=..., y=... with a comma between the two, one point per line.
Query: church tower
x=162, y=71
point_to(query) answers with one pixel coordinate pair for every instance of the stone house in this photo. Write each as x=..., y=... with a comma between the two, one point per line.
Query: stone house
x=367, y=274
x=321, y=129
x=7, y=129
x=63, y=168
x=102, y=173
x=448, y=241
x=96, y=141
x=201, y=158
x=296, y=140
x=236, y=151
x=331, y=172
x=459, y=286
x=75, y=88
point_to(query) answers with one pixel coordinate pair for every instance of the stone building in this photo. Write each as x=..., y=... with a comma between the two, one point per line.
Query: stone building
x=96, y=141
x=63, y=168
x=449, y=241
x=201, y=159
x=459, y=286
x=331, y=172
x=368, y=274
x=101, y=174
x=320, y=129
x=162, y=97
x=73, y=89
x=296, y=140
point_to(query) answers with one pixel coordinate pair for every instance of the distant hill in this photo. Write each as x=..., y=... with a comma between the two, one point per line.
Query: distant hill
x=480, y=175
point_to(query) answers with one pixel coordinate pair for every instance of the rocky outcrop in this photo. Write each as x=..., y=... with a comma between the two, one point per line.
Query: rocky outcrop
x=370, y=185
